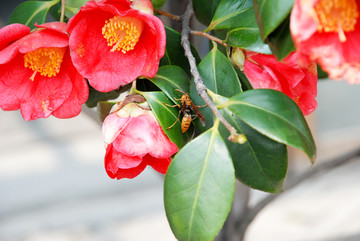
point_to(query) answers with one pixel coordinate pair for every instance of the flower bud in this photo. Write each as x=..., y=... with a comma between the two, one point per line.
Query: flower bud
x=135, y=139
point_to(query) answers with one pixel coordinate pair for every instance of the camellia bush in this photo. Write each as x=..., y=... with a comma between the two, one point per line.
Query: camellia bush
x=204, y=122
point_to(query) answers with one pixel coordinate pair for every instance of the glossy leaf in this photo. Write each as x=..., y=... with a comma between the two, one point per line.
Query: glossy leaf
x=158, y=3
x=174, y=52
x=205, y=9
x=169, y=78
x=280, y=41
x=72, y=7
x=271, y=14
x=167, y=116
x=220, y=77
x=245, y=33
x=274, y=115
x=227, y=12
x=31, y=12
x=199, y=188
x=260, y=162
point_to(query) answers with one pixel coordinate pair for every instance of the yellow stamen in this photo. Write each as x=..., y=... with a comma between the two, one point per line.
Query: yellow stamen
x=122, y=33
x=45, y=61
x=337, y=16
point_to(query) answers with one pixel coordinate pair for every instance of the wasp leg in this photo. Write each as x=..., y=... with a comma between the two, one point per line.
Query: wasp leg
x=201, y=106
x=176, y=105
x=174, y=122
x=180, y=91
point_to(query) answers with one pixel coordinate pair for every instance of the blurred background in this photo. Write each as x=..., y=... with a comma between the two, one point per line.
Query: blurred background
x=53, y=185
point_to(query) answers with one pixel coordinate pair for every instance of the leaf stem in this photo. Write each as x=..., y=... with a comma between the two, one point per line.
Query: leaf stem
x=206, y=35
x=169, y=15
x=199, y=83
x=62, y=16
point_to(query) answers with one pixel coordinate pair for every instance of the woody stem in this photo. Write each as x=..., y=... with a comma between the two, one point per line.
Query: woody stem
x=199, y=83
x=169, y=15
x=212, y=38
x=62, y=16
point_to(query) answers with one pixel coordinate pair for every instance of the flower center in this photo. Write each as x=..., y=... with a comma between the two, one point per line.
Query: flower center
x=45, y=61
x=122, y=33
x=337, y=16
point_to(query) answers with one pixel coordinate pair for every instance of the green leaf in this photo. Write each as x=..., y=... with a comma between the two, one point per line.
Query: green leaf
x=158, y=3
x=169, y=78
x=227, y=12
x=97, y=96
x=260, y=162
x=274, y=115
x=245, y=33
x=199, y=188
x=219, y=74
x=72, y=7
x=31, y=12
x=205, y=9
x=174, y=52
x=220, y=77
x=280, y=41
x=271, y=14
x=167, y=116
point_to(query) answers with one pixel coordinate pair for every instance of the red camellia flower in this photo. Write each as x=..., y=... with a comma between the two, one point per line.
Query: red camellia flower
x=114, y=42
x=328, y=32
x=36, y=72
x=134, y=140
x=299, y=83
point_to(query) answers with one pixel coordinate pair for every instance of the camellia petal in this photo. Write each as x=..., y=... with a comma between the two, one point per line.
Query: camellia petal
x=135, y=135
x=113, y=43
x=118, y=165
x=36, y=73
x=327, y=32
x=299, y=83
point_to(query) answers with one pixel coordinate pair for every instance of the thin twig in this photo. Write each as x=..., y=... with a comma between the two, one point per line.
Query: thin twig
x=206, y=35
x=169, y=15
x=62, y=16
x=199, y=83
x=326, y=165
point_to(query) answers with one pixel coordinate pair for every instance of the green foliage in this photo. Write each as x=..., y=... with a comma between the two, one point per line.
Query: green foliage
x=237, y=18
x=174, y=53
x=273, y=20
x=205, y=9
x=280, y=41
x=158, y=3
x=260, y=162
x=169, y=78
x=73, y=6
x=220, y=77
x=271, y=14
x=31, y=12
x=274, y=115
x=199, y=188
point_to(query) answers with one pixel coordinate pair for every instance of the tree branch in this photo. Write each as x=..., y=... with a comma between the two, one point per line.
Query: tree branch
x=326, y=165
x=206, y=35
x=199, y=83
x=169, y=15
x=62, y=16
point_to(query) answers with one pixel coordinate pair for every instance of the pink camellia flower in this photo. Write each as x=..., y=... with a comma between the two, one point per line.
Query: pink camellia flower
x=299, y=83
x=114, y=42
x=328, y=32
x=134, y=140
x=36, y=72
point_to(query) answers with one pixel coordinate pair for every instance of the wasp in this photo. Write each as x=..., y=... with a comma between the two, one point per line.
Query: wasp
x=189, y=110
